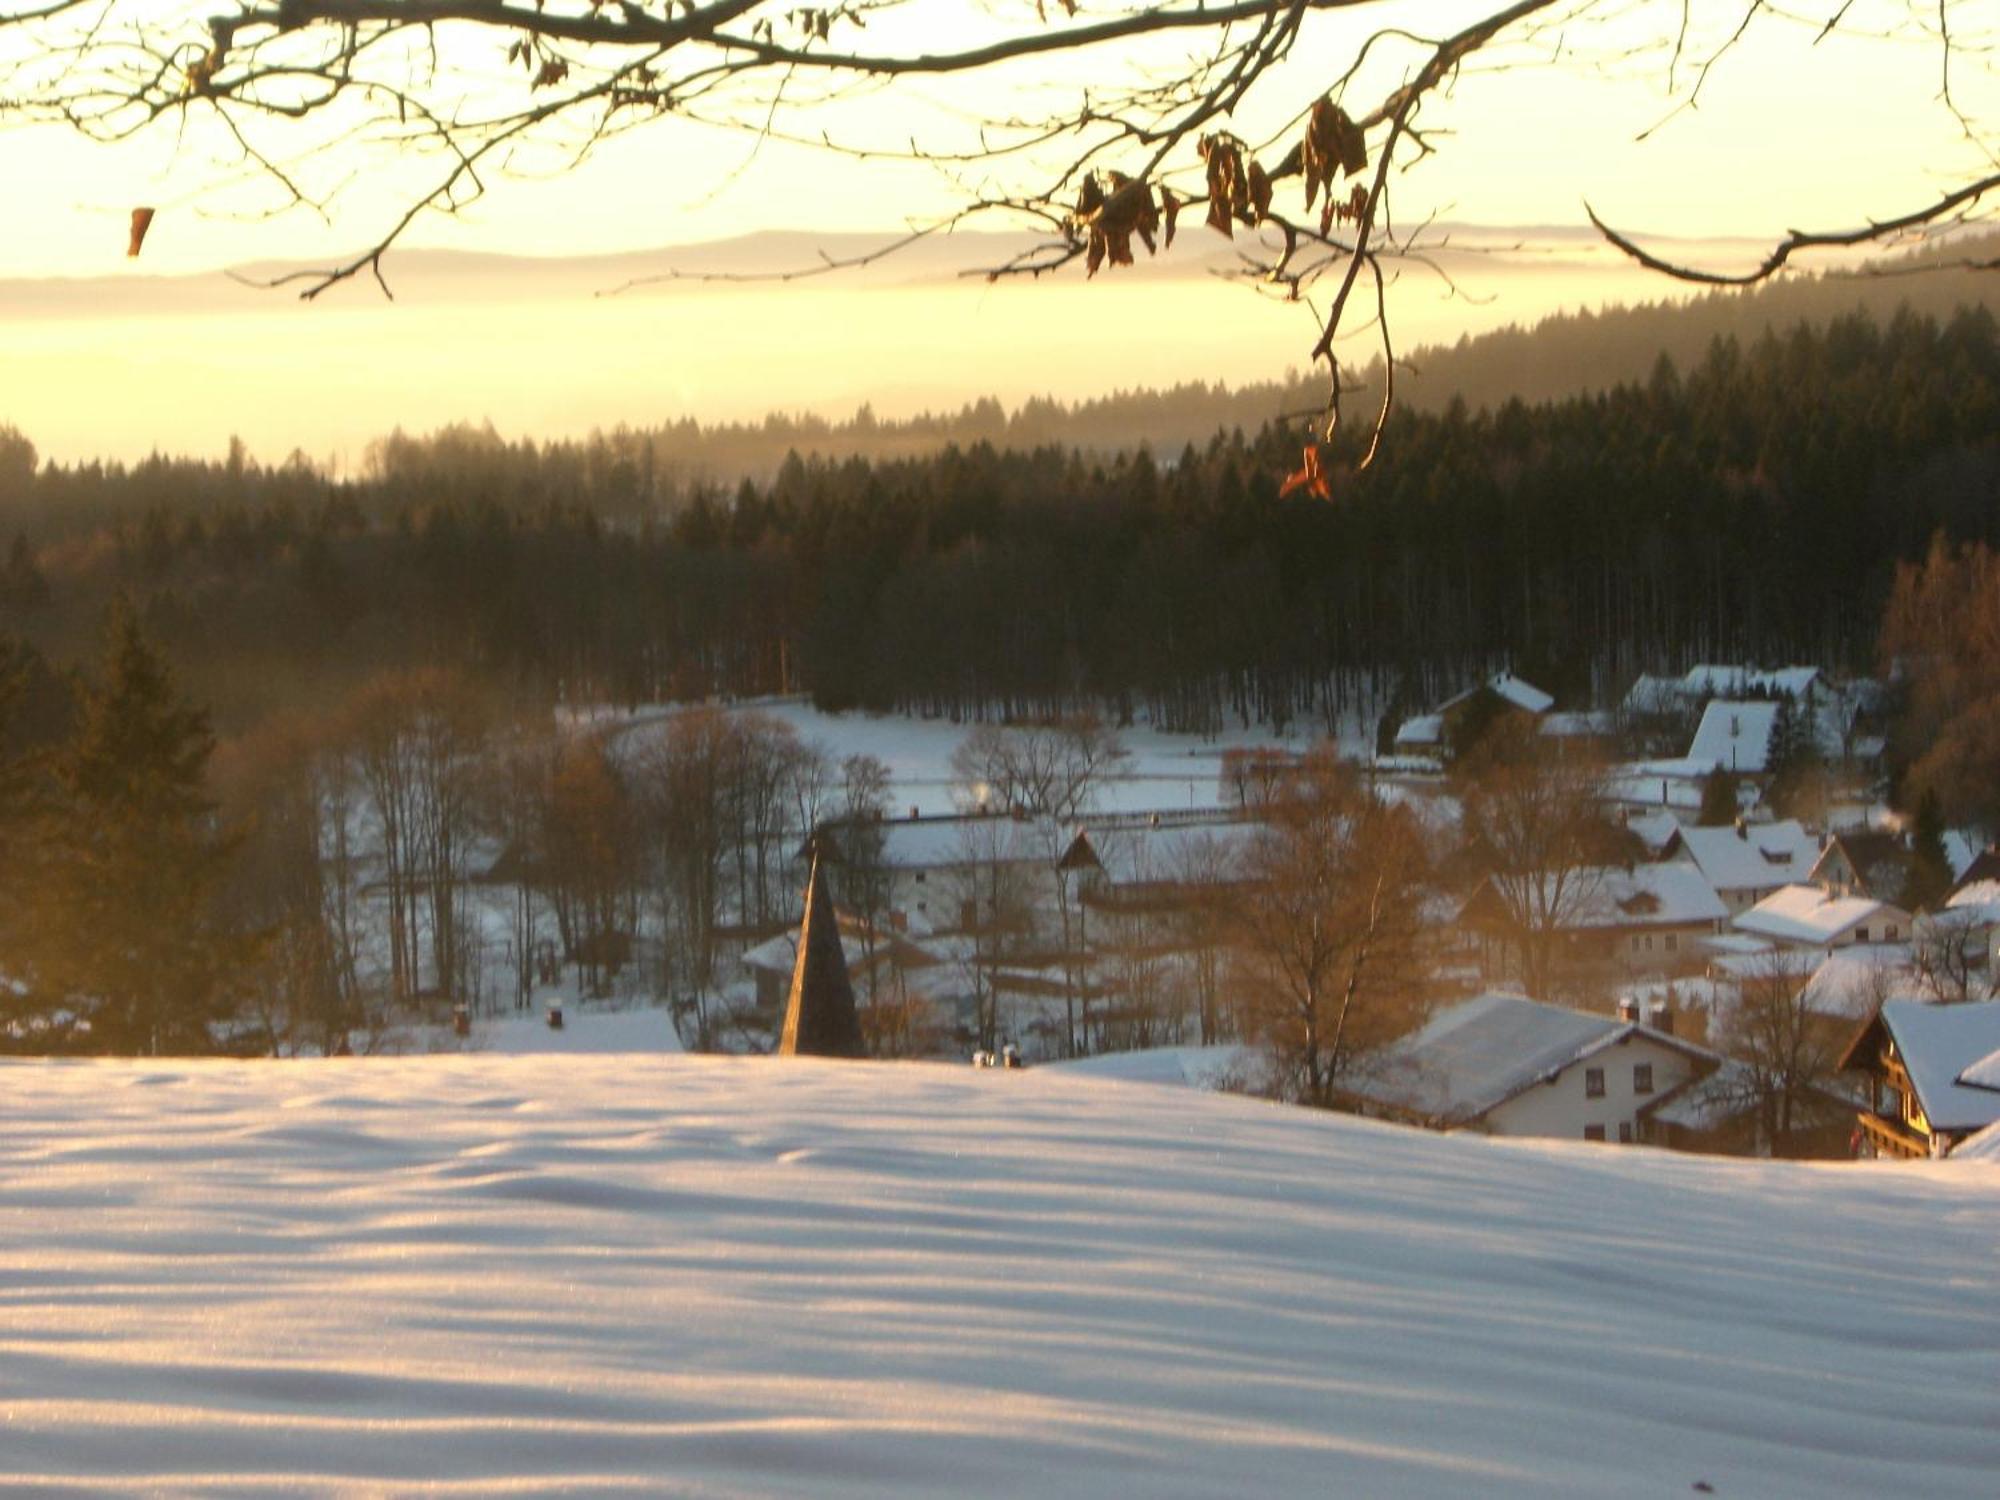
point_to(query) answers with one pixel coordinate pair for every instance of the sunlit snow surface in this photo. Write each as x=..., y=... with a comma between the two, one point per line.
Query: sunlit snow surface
x=673, y=1275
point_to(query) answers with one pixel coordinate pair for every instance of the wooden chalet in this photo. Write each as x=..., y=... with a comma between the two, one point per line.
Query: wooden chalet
x=1933, y=1076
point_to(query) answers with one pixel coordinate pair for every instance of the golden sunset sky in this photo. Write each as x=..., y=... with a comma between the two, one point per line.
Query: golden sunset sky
x=1788, y=133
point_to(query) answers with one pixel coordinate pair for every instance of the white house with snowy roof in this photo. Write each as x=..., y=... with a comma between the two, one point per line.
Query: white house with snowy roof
x=1806, y=916
x=1747, y=862
x=1735, y=735
x=1429, y=734
x=1508, y=1065
x=1649, y=919
x=1934, y=1074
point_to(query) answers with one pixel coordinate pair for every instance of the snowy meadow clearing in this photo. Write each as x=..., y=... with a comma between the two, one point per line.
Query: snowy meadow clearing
x=673, y=1275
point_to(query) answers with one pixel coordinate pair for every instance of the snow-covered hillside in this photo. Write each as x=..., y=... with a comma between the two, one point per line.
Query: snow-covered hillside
x=660, y=1274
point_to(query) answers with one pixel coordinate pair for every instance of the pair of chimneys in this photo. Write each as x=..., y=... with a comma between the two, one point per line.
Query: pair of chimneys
x=1656, y=1015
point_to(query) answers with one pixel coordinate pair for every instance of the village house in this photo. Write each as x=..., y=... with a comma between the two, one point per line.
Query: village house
x=1647, y=920
x=1933, y=1073
x=1735, y=736
x=1433, y=734
x=1863, y=862
x=1747, y=862
x=1508, y=1065
x=1809, y=916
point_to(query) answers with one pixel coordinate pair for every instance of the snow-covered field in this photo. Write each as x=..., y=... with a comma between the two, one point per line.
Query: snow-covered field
x=1160, y=772
x=673, y=1275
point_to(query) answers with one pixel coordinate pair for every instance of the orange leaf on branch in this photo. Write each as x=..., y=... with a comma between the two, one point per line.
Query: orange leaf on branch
x=1309, y=476
x=1333, y=144
x=142, y=220
x=1111, y=211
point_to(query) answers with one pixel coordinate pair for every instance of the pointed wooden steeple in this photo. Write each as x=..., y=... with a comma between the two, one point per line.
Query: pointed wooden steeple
x=819, y=1016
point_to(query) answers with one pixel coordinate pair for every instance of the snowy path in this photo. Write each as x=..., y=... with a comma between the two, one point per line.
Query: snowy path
x=669, y=1275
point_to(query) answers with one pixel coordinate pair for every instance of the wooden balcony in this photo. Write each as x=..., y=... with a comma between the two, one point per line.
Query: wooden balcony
x=1892, y=1138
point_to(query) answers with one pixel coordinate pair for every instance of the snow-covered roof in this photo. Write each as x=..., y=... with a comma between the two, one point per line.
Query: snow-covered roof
x=1669, y=895
x=1655, y=828
x=1937, y=1043
x=1476, y=1056
x=1659, y=784
x=1655, y=695
x=1849, y=983
x=1609, y=896
x=1734, y=736
x=1717, y=679
x=1421, y=729
x=1145, y=854
x=1984, y=1074
x=1588, y=725
x=1522, y=694
x=932, y=843
x=1977, y=904
x=1753, y=856
x=1982, y=1145
x=1807, y=914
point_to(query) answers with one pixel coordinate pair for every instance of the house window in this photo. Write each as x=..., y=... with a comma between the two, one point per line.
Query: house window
x=1673, y=942
x=1593, y=1088
x=918, y=877
x=1593, y=1132
x=1889, y=933
x=1624, y=1132
x=1861, y=934
x=1642, y=1078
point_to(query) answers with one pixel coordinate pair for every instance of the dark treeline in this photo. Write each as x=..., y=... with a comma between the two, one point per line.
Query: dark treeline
x=1586, y=352
x=1752, y=507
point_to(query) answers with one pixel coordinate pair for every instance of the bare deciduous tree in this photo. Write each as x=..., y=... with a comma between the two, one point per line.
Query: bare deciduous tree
x=1535, y=828
x=1787, y=1053
x=1329, y=923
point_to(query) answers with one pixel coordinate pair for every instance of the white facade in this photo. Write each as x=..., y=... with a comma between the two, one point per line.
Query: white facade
x=1602, y=1091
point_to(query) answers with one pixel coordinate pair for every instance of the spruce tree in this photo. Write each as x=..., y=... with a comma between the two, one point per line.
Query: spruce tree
x=130, y=943
x=1930, y=869
x=1719, y=804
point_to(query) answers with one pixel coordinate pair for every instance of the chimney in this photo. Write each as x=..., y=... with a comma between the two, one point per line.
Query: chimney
x=1742, y=827
x=1628, y=1009
x=1660, y=1016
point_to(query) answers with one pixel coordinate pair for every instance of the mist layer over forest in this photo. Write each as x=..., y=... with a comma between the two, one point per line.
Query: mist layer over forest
x=1750, y=506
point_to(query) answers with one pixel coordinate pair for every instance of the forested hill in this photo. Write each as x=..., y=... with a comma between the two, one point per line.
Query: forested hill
x=1753, y=508
x=1572, y=354
x=1582, y=352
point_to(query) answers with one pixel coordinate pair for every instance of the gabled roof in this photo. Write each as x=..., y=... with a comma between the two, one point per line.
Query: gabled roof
x=1589, y=724
x=1734, y=736
x=1850, y=983
x=1807, y=914
x=1521, y=693
x=1974, y=905
x=1655, y=828
x=1170, y=853
x=1879, y=859
x=1655, y=695
x=1938, y=1044
x=1421, y=730
x=1606, y=897
x=1713, y=679
x=1510, y=689
x=1984, y=1074
x=947, y=842
x=1750, y=856
x=1982, y=868
x=1476, y=1056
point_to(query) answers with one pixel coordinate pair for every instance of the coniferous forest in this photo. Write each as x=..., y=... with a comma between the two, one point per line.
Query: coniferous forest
x=1751, y=507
